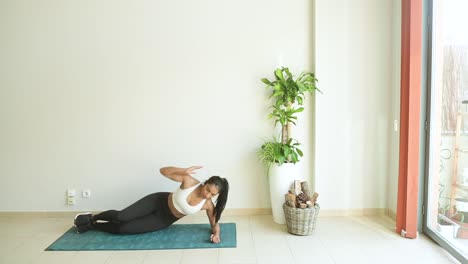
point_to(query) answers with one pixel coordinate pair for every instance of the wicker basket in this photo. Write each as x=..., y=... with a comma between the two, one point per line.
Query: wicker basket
x=301, y=221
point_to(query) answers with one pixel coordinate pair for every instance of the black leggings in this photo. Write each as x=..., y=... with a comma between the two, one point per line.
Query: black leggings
x=148, y=214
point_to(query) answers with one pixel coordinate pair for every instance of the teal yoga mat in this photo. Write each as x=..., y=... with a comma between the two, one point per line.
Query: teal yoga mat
x=173, y=237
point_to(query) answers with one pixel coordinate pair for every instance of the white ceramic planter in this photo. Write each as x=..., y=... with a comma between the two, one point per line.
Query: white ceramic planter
x=281, y=178
x=461, y=204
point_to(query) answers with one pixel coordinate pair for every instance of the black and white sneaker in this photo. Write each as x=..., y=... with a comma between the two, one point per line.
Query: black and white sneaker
x=83, y=228
x=83, y=219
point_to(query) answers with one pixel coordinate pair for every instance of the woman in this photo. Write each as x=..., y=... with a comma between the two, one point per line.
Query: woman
x=159, y=210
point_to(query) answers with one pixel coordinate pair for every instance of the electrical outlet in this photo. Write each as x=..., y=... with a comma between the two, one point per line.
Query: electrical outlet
x=71, y=192
x=86, y=193
x=70, y=200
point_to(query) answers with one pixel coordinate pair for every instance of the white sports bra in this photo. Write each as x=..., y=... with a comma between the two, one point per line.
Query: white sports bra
x=179, y=199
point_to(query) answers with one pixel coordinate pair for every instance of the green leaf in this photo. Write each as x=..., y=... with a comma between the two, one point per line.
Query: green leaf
x=283, y=121
x=279, y=74
x=300, y=152
x=299, y=100
x=279, y=102
x=281, y=159
x=288, y=73
x=301, y=77
x=294, y=157
x=287, y=151
x=301, y=87
x=278, y=93
x=300, y=109
x=266, y=81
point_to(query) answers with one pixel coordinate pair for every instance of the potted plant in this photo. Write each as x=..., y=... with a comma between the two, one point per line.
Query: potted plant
x=443, y=207
x=445, y=225
x=461, y=219
x=280, y=155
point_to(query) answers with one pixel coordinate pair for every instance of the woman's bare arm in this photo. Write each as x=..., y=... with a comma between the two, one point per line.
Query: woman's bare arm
x=178, y=174
x=215, y=229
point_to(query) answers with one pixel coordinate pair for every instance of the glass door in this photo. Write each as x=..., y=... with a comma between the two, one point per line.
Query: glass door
x=446, y=218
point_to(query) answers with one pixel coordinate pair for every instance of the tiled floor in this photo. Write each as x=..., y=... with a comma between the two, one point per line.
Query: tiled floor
x=336, y=240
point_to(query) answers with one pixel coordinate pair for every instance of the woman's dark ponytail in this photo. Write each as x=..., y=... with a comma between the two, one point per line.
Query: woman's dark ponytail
x=223, y=187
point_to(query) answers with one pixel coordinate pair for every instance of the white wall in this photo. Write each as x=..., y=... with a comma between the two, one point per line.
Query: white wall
x=354, y=117
x=394, y=137
x=101, y=94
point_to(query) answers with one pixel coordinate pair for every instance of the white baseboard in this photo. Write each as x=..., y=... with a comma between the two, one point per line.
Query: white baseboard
x=352, y=212
x=391, y=214
x=227, y=212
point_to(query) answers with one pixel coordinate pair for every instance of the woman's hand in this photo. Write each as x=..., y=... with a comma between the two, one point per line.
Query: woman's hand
x=215, y=238
x=178, y=174
x=191, y=170
x=215, y=229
